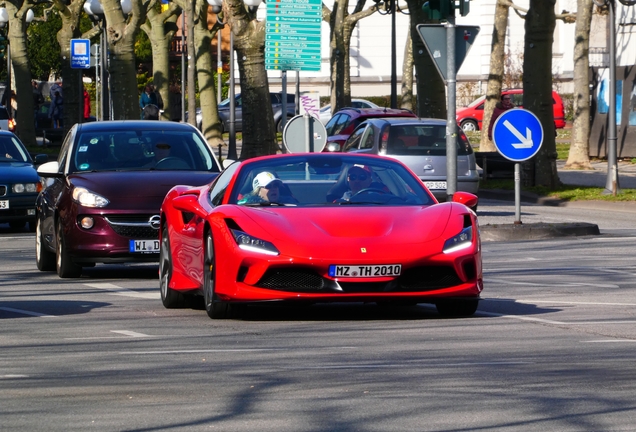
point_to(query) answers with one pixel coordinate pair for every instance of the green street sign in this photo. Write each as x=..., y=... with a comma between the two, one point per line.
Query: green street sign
x=293, y=35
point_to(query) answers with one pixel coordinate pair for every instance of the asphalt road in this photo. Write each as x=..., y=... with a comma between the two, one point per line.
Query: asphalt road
x=551, y=347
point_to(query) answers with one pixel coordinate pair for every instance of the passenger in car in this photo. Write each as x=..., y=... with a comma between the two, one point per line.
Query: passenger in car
x=266, y=187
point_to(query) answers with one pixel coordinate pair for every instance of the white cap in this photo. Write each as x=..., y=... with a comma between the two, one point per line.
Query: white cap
x=263, y=179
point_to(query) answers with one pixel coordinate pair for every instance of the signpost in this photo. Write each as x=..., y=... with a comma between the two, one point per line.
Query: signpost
x=292, y=35
x=80, y=54
x=448, y=45
x=518, y=135
x=304, y=133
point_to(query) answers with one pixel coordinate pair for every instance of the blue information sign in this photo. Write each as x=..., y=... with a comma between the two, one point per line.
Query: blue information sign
x=517, y=134
x=80, y=54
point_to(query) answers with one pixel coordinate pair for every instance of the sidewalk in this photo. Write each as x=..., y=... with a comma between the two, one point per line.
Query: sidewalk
x=497, y=207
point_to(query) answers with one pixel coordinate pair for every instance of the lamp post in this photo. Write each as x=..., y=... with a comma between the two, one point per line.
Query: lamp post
x=95, y=10
x=392, y=8
x=217, y=6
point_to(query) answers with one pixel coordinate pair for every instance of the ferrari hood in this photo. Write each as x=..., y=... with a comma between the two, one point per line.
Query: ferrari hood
x=315, y=226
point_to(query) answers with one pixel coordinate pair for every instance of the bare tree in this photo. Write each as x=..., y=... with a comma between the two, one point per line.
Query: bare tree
x=341, y=25
x=496, y=73
x=578, y=157
x=121, y=31
x=259, y=132
x=17, y=10
x=540, y=21
x=161, y=27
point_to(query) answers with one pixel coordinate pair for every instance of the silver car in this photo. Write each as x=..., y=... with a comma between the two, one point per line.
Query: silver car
x=421, y=145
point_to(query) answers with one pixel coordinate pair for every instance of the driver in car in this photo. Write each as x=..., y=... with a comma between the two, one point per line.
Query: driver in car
x=358, y=178
x=161, y=151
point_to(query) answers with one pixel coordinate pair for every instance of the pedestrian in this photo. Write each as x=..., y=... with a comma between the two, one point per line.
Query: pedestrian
x=57, y=110
x=87, y=105
x=148, y=97
x=56, y=87
x=38, y=98
x=504, y=105
x=158, y=97
x=175, y=102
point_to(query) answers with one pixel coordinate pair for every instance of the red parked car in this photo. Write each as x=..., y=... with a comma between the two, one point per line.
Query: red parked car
x=470, y=117
x=346, y=120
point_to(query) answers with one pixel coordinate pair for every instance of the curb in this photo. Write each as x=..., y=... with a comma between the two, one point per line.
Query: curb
x=536, y=231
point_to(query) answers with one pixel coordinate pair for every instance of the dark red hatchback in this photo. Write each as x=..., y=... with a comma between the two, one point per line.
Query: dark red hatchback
x=346, y=120
x=102, y=196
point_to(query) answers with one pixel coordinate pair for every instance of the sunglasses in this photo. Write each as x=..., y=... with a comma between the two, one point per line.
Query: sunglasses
x=506, y=98
x=361, y=177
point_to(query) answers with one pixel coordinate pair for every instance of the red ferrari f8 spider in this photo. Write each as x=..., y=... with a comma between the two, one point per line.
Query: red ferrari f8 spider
x=316, y=228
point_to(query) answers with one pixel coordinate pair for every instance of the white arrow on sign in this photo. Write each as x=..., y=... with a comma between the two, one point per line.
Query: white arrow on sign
x=526, y=141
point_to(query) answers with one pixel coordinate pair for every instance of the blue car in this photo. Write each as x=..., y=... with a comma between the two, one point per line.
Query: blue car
x=19, y=182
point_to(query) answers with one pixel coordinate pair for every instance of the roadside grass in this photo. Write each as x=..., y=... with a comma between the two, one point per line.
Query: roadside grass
x=564, y=192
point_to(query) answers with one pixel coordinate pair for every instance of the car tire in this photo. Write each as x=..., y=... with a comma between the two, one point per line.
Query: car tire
x=457, y=308
x=469, y=126
x=65, y=266
x=44, y=259
x=170, y=298
x=215, y=309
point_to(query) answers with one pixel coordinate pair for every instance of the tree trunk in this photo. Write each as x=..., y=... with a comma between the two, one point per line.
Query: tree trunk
x=259, y=132
x=407, y=75
x=338, y=55
x=121, y=32
x=578, y=158
x=431, y=89
x=160, y=28
x=192, y=52
x=22, y=72
x=496, y=73
x=211, y=124
x=537, y=90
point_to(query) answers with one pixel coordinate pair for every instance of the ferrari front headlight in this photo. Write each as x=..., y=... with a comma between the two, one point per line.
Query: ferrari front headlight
x=88, y=199
x=461, y=241
x=253, y=244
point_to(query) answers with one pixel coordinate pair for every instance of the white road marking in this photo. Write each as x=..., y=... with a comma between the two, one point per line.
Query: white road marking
x=520, y=317
x=25, y=312
x=202, y=351
x=572, y=284
x=393, y=365
x=609, y=341
x=571, y=302
x=130, y=333
x=9, y=376
x=125, y=292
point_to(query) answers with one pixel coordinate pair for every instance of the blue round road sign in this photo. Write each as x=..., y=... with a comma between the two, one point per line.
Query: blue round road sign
x=517, y=134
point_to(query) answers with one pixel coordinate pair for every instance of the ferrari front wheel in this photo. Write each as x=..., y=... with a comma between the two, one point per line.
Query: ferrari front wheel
x=215, y=308
x=170, y=298
x=457, y=308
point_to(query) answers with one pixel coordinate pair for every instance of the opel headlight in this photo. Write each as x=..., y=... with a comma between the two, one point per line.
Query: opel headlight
x=461, y=241
x=253, y=244
x=88, y=199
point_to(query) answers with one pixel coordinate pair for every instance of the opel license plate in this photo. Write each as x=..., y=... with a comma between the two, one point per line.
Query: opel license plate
x=436, y=185
x=4, y=204
x=364, y=271
x=144, y=246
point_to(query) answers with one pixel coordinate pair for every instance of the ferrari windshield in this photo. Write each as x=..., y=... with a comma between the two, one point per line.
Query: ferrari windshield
x=327, y=180
x=126, y=149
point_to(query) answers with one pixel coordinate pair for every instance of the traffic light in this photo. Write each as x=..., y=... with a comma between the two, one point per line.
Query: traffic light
x=464, y=7
x=441, y=9
x=438, y=9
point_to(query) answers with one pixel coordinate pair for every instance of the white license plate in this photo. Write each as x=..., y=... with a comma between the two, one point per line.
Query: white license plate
x=144, y=246
x=4, y=204
x=436, y=185
x=365, y=271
